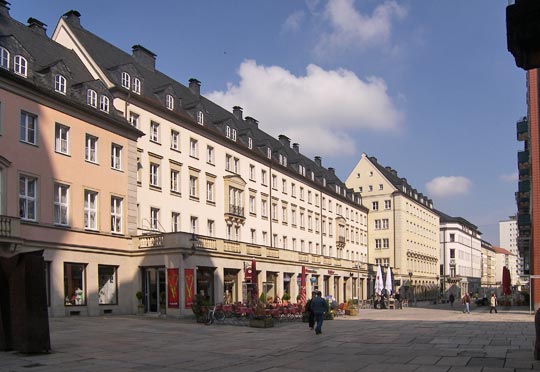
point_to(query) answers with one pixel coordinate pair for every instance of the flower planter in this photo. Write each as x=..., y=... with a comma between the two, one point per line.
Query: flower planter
x=352, y=312
x=261, y=323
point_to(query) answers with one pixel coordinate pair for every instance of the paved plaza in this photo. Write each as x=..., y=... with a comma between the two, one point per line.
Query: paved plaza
x=429, y=338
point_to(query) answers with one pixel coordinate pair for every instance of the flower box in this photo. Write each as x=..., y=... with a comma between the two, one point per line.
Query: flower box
x=261, y=323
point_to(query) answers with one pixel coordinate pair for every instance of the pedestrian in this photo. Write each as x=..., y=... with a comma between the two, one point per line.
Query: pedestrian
x=397, y=298
x=451, y=298
x=311, y=316
x=319, y=306
x=493, y=303
x=466, y=300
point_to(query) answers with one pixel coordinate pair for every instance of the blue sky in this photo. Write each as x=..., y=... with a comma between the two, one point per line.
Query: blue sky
x=427, y=87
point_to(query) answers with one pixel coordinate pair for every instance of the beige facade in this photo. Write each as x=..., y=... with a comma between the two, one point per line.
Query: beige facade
x=403, y=227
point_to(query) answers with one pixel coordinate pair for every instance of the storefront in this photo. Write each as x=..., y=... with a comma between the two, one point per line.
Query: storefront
x=205, y=283
x=230, y=286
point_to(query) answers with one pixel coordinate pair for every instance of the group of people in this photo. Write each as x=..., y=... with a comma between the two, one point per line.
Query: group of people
x=466, y=302
x=316, y=307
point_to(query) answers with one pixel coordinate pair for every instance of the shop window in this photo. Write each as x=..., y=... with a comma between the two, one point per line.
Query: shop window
x=75, y=284
x=107, y=284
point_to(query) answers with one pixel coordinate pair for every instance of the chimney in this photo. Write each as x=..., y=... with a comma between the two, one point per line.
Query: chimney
x=144, y=57
x=285, y=141
x=252, y=121
x=296, y=148
x=237, y=112
x=4, y=9
x=318, y=161
x=73, y=16
x=195, y=86
x=332, y=170
x=404, y=181
x=37, y=26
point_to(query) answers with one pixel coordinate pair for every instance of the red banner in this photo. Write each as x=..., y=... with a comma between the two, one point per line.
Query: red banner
x=303, y=286
x=189, y=287
x=173, y=300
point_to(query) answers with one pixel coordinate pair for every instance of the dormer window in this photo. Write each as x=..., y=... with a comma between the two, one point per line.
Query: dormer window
x=91, y=98
x=234, y=134
x=4, y=58
x=60, y=84
x=200, y=117
x=104, y=103
x=20, y=65
x=136, y=85
x=269, y=153
x=169, y=101
x=250, y=143
x=126, y=80
x=228, y=132
x=312, y=176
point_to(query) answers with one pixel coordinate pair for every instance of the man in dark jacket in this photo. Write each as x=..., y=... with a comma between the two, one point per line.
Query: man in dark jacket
x=311, y=316
x=319, y=306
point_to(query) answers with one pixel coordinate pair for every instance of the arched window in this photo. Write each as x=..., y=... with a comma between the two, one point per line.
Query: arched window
x=60, y=84
x=91, y=98
x=20, y=65
x=104, y=103
x=4, y=58
x=228, y=132
x=169, y=101
x=136, y=85
x=126, y=80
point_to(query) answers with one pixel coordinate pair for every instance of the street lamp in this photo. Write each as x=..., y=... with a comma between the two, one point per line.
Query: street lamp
x=411, y=286
x=194, y=242
x=438, y=290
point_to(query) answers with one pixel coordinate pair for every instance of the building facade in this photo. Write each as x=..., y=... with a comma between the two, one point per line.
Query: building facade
x=488, y=282
x=508, y=239
x=403, y=226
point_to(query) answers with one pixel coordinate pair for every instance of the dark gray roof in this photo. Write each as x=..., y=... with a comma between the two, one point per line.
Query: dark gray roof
x=449, y=219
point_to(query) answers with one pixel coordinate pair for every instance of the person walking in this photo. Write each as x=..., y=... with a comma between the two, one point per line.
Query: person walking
x=493, y=303
x=311, y=316
x=466, y=300
x=319, y=306
x=451, y=298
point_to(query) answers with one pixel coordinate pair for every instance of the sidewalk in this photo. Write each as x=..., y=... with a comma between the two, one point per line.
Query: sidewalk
x=429, y=338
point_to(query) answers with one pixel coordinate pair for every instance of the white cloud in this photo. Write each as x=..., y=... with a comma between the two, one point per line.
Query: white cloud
x=350, y=28
x=293, y=21
x=514, y=177
x=319, y=110
x=444, y=187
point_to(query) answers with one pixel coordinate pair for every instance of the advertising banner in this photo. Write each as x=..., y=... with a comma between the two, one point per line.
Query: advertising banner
x=189, y=280
x=173, y=300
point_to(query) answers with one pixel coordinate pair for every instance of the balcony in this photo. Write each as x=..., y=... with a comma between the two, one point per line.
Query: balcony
x=523, y=157
x=524, y=186
x=524, y=220
x=522, y=130
x=340, y=242
x=235, y=214
x=10, y=230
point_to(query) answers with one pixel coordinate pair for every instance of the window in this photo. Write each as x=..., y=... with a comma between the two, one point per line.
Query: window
x=107, y=284
x=274, y=182
x=210, y=227
x=210, y=191
x=236, y=205
x=61, y=139
x=264, y=237
x=28, y=128
x=126, y=80
x=154, y=219
x=377, y=224
x=20, y=65
x=385, y=223
x=193, y=148
x=269, y=153
x=175, y=222
x=134, y=119
x=301, y=193
x=378, y=243
x=250, y=143
x=264, y=212
x=91, y=98
x=375, y=205
x=209, y=154
x=236, y=165
x=116, y=215
x=27, y=198
x=452, y=237
x=200, y=117
x=234, y=134
x=116, y=156
x=387, y=204
x=386, y=243
x=253, y=236
x=284, y=186
x=252, y=204
x=193, y=189
x=169, y=102
x=293, y=190
x=60, y=84
x=104, y=103
x=381, y=186
x=154, y=131
x=74, y=284
x=263, y=177
x=4, y=58
x=154, y=174
x=228, y=162
x=252, y=172
x=61, y=204
x=175, y=180
x=193, y=224
x=90, y=149
x=90, y=210
x=370, y=188
x=175, y=140
x=136, y=85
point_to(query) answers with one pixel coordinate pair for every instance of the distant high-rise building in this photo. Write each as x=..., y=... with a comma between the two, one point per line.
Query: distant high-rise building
x=508, y=235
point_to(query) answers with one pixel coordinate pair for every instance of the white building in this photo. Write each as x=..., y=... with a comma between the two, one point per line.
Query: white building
x=508, y=235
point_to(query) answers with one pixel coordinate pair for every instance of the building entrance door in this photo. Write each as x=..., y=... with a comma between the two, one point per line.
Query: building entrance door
x=154, y=289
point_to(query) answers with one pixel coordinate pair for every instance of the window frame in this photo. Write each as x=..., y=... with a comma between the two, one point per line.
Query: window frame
x=61, y=204
x=169, y=102
x=27, y=199
x=24, y=128
x=91, y=98
x=116, y=156
x=91, y=148
x=5, y=56
x=126, y=80
x=20, y=65
x=60, y=84
x=117, y=220
x=91, y=208
x=61, y=131
x=104, y=103
x=136, y=85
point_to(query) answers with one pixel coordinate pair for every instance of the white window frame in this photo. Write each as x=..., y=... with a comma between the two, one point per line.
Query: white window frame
x=228, y=131
x=104, y=103
x=210, y=155
x=91, y=98
x=136, y=85
x=116, y=215
x=234, y=134
x=116, y=156
x=210, y=187
x=175, y=140
x=211, y=227
x=134, y=119
x=154, y=218
x=250, y=143
x=20, y=65
x=61, y=204
x=193, y=148
x=169, y=102
x=4, y=58
x=28, y=198
x=90, y=210
x=60, y=83
x=154, y=131
x=193, y=186
x=91, y=148
x=126, y=80
x=200, y=117
x=28, y=128
x=154, y=174
x=175, y=222
x=175, y=180
x=61, y=139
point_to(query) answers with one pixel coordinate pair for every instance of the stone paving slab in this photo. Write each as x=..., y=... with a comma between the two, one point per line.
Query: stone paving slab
x=432, y=338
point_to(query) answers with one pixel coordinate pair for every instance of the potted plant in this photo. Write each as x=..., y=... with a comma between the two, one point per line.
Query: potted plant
x=140, y=305
x=200, y=308
x=351, y=308
x=286, y=298
x=260, y=319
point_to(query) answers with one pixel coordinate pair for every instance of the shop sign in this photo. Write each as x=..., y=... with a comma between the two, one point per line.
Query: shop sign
x=189, y=282
x=173, y=299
